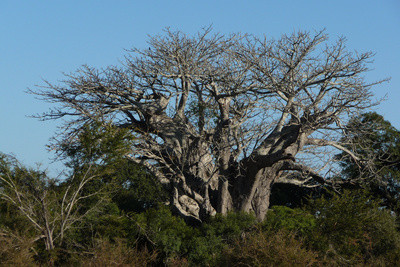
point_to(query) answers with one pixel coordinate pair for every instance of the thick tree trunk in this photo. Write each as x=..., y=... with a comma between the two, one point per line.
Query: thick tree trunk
x=232, y=100
x=260, y=201
x=247, y=189
x=256, y=192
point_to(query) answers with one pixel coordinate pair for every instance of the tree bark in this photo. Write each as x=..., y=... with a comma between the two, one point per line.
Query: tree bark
x=224, y=114
x=262, y=195
x=225, y=200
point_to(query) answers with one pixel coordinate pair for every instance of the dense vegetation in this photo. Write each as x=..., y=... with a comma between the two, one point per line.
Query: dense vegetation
x=211, y=150
x=108, y=211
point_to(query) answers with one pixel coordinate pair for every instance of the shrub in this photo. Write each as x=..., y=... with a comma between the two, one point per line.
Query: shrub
x=215, y=235
x=230, y=225
x=178, y=241
x=269, y=249
x=168, y=233
x=16, y=249
x=353, y=229
x=296, y=220
x=118, y=253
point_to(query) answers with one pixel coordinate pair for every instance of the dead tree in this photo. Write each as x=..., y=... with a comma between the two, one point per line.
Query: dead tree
x=219, y=119
x=49, y=212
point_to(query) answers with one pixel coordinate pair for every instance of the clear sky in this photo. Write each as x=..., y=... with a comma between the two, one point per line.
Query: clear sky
x=42, y=39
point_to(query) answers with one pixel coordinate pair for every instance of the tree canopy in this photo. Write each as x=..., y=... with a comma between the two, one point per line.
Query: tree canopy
x=377, y=143
x=218, y=119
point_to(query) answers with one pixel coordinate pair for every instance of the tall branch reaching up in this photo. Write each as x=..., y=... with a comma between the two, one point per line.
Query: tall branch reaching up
x=219, y=118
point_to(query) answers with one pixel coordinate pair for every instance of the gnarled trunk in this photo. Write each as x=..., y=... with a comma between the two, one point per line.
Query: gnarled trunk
x=218, y=119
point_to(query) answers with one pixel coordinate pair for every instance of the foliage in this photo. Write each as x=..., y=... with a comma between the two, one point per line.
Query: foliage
x=117, y=253
x=134, y=189
x=230, y=225
x=269, y=249
x=96, y=142
x=200, y=245
x=217, y=234
x=127, y=183
x=378, y=146
x=377, y=140
x=16, y=249
x=108, y=224
x=11, y=218
x=345, y=229
x=351, y=228
x=295, y=220
x=50, y=209
x=128, y=223
x=169, y=233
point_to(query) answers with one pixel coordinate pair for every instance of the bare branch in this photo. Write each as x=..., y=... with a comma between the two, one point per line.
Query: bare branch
x=210, y=112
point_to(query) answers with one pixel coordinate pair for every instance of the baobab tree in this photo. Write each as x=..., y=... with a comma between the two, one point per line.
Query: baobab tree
x=218, y=119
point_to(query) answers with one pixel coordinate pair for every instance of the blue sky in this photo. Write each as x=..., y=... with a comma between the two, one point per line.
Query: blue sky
x=42, y=39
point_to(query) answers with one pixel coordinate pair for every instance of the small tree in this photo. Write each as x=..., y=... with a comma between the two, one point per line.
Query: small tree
x=50, y=210
x=352, y=229
x=219, y=119
x=103, y=145
x=377, y=143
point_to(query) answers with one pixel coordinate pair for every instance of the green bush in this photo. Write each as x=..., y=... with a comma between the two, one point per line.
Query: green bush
x=200, y=245
x=351, y=228
x=230, y=225
x=297, y=220
x=204, y=249
x=168, y=233
x=215, y=235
